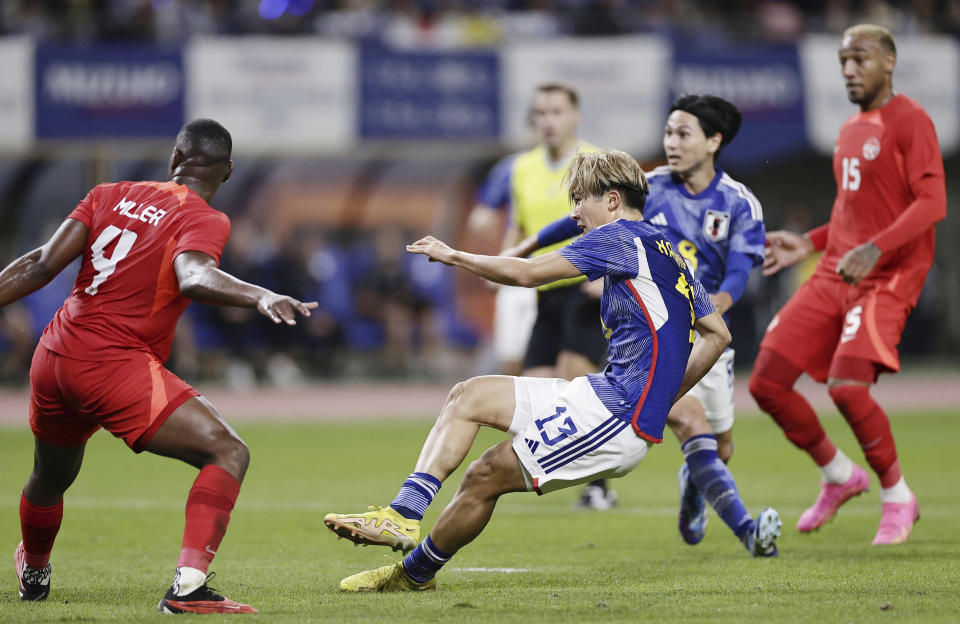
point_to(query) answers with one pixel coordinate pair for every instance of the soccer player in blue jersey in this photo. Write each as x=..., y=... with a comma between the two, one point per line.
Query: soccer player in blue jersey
x=716, y=223
x=564, y=432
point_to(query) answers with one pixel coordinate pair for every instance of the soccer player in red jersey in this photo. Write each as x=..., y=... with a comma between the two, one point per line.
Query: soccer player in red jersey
x=843, y=326
x=147, y=249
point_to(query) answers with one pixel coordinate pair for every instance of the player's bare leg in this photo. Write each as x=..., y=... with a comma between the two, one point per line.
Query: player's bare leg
x=497, y=472
x=481, y=401
x=41, y=509
x=195, y=433
x=704, y=477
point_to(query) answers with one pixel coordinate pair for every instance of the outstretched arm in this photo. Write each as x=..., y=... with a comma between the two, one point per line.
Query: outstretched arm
x=785, y=249
x=528, y=273
x=34, y=270
x=201, y=280
x=713, y=337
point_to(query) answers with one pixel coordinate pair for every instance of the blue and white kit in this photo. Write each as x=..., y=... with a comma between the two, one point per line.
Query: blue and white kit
x=720, y=232
x=600, y=425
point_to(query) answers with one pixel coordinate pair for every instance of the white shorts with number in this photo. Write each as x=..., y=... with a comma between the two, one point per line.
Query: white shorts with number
x=513, y=319
x=715, y=391
x=564, y=435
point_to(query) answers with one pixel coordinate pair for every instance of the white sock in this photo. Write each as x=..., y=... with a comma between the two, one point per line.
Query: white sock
x=899, y=493
x=187, y=580
x=837, y=470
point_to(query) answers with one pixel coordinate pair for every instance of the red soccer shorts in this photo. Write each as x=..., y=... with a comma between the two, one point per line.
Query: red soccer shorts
x=70, y=399
x=828, y=319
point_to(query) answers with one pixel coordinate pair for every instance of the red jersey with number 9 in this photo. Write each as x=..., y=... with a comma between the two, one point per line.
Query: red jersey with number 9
x=880, y=161
x=126, y=296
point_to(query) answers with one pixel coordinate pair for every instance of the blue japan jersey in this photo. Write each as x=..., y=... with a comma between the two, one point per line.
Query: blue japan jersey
x=720, y=226
x=647, y=310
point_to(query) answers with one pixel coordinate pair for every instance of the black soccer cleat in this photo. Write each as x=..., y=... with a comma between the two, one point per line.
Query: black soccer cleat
x=204, y=599
x=34, y=584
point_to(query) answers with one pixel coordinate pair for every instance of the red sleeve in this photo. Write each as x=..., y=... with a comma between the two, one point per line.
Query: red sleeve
x=205, y=231
x=924, y=171
x=818, y=236
x=84, y=210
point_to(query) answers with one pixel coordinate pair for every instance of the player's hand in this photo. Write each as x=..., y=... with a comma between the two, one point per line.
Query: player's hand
x=433, y=248
x=283, y=309
x=857, y=263
x=785, y=249
x=722, y=301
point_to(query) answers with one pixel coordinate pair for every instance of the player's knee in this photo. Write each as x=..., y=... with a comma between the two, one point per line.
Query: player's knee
x=688, y=419
x=765, y=392
x=464, y=400
x=848, y=396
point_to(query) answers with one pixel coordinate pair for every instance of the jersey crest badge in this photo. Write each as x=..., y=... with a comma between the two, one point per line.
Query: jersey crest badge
x=871, y=148
x=716, y=224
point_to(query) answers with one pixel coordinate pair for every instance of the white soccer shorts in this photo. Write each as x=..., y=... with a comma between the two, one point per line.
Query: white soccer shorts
x=513, y=319
x=715, y=391
x=564, y=435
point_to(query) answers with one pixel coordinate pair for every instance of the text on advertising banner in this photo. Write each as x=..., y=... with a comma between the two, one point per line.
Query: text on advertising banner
x=429, y=95
x=108, y=91
x=16, y=93
x=764, y=83
x=622, y=84
x=275, y=94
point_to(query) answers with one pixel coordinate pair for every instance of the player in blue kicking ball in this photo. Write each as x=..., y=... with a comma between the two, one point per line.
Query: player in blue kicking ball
x=564, y=432
x=716, y=223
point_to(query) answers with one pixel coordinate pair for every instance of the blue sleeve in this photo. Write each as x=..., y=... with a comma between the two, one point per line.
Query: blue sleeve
x=558, y=231
x=495, y=189
x=737, y=274
x=747, y=233
x=597, y=253
x=702, y=306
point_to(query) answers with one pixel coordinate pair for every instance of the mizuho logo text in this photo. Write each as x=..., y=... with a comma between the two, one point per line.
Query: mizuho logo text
x=112, y=84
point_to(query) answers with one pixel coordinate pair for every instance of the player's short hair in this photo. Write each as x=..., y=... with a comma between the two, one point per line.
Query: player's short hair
x=878, y=33
x=559, y=87
x=206, y=139
x=715, y=114
x=595, y=173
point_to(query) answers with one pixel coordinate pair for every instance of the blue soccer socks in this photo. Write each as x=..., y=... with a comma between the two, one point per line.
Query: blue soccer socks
x=415, y=495
x=712, y=479
x=425, y=561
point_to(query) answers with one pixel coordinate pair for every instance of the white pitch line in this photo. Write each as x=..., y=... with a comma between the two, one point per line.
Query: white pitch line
x=143, y=504
x=504, y=570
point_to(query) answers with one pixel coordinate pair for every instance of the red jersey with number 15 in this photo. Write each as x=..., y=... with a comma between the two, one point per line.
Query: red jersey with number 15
x=881, y=160
x=126, y=296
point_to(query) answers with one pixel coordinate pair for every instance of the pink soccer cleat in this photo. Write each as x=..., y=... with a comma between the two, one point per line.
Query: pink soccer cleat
x=832, y=495
x=896, y=522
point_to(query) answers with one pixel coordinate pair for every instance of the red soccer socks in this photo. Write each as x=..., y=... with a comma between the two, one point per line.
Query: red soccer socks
x=39, y=527
x=872, y=428
x=771, y=385
x=207, y=514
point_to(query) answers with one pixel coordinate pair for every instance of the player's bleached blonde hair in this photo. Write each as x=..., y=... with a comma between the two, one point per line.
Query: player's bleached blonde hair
x=595, y=173
x=878, y=33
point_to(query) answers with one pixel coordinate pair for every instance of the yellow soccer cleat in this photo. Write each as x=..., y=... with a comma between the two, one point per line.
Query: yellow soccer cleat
x=391, y=578
x=381, y=526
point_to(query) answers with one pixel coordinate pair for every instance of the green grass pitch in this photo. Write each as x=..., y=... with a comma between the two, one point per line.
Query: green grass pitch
x=539, y=559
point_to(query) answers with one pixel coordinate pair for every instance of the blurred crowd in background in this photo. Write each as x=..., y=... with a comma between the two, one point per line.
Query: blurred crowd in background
x=465, y=23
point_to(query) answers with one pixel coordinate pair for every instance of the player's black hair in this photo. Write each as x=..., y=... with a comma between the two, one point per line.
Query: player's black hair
x=207, y=139
x=716, y=115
